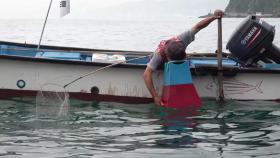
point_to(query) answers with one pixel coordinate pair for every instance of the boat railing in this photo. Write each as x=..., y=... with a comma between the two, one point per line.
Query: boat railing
x=90, y=52
x=86, y=52
x=74, y=55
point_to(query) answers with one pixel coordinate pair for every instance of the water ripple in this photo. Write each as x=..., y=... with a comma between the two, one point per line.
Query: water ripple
x=114, y=130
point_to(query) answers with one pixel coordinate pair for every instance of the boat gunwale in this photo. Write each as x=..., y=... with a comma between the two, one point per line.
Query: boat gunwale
x=201, y=68
x=71, y=62
x=74, y=49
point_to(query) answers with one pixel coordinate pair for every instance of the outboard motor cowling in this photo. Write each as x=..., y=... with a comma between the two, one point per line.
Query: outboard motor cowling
x=252, y=42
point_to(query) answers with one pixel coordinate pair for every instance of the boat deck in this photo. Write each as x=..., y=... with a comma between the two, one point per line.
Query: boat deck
x=72, y=55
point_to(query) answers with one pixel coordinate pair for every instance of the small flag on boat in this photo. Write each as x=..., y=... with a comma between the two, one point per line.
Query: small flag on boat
x=64, y=7
x=179, y=91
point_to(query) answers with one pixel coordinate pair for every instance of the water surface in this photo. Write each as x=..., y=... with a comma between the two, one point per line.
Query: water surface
x=120, y=35
x=236, y=129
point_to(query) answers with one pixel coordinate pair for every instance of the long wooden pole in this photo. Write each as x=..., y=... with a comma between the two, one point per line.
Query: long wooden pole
x=38, y=48
x=103, y=68
x=220, y=61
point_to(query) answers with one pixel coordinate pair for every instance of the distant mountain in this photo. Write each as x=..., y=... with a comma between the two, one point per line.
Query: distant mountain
x=254, y=6
x=173, y=8
x=160, y=9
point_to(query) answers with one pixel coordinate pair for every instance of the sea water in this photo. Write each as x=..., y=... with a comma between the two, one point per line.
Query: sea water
x=92, y=129
x=119, y=35
x=234, y=129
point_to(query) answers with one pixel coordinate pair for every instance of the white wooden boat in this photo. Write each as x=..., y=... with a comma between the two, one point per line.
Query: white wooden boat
x=24, y=71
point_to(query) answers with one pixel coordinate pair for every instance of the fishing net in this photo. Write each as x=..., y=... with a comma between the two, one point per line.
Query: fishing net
x=52, y=101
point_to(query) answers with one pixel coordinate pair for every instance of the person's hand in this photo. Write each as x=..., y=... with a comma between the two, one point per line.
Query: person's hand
x=218, y=14
x=158, y=101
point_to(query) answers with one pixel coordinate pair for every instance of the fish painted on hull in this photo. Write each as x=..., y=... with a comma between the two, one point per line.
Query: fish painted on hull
x=233, y=86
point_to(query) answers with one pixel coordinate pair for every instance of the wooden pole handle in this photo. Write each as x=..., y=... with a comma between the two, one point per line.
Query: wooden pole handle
x=220, y=61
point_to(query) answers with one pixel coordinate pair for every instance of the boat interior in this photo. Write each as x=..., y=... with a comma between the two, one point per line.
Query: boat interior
x=99, y=56
x=84, y=55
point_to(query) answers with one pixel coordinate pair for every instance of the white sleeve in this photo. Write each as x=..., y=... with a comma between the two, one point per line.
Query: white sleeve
x=155, y=62
x=187, y=37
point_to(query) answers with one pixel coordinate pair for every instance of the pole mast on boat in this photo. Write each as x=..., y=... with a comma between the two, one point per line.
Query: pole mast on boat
x=38, y=48
x=220, y=62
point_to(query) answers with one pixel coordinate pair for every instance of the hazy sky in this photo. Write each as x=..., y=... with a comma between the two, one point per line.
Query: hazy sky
x=33, y=9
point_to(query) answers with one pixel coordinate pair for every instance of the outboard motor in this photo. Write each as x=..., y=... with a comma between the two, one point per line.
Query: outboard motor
x=252, y=42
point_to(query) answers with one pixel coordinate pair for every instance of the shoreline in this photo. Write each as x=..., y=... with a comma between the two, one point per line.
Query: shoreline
x=242, y=16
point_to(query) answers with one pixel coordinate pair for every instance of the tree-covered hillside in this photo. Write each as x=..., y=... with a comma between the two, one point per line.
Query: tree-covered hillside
x=253, y=6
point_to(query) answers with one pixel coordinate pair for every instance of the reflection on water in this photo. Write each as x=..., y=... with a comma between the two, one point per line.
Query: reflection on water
x=237, y=129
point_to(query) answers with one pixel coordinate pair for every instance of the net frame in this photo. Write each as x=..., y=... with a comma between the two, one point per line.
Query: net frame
x=52, y=101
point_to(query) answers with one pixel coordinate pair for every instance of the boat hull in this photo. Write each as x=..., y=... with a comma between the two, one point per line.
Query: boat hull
x=26, y=75
x=120, y=84
x=124, y=84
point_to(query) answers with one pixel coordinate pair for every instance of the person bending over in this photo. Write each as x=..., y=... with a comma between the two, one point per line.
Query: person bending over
x=173, y=49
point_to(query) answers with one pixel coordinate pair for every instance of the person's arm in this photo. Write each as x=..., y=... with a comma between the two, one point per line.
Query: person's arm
x=205, y=22
x=148, y=78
